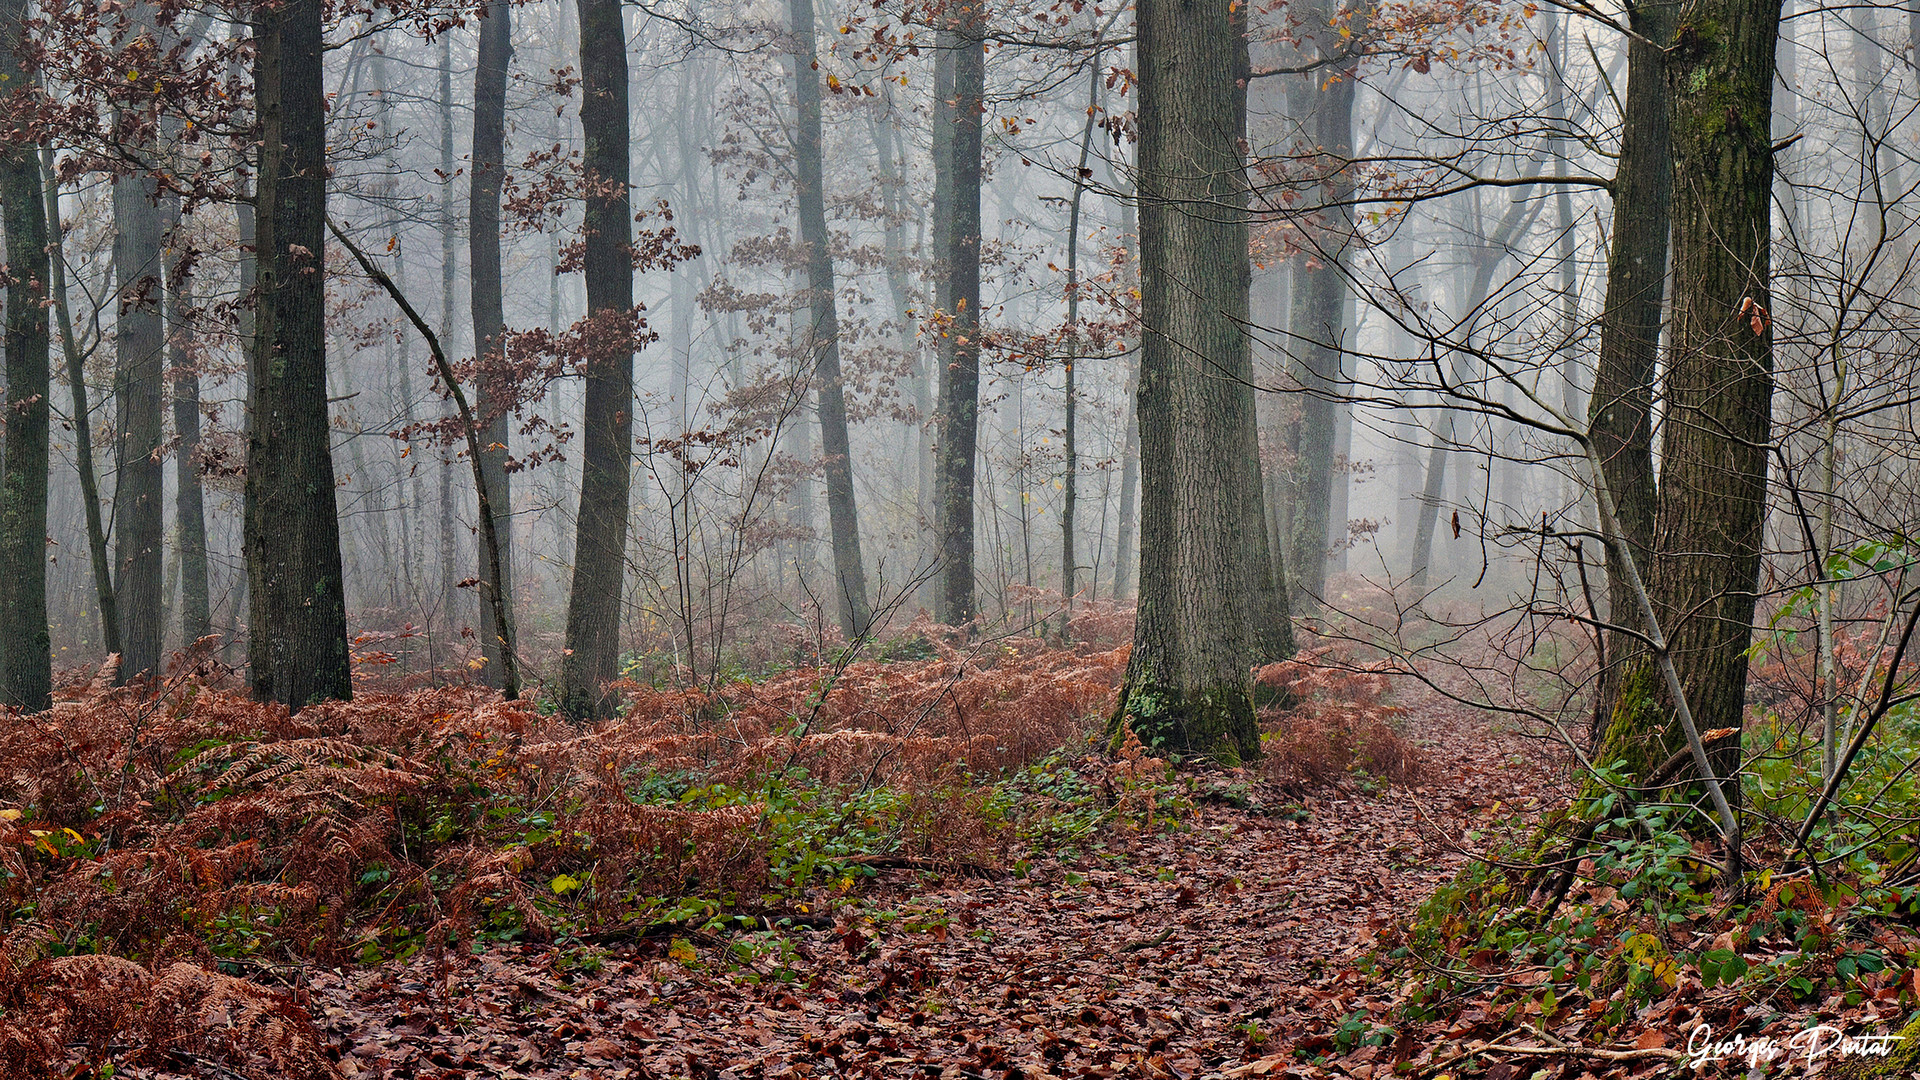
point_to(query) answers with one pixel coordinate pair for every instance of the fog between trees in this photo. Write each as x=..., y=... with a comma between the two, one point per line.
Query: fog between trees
x=780, y=324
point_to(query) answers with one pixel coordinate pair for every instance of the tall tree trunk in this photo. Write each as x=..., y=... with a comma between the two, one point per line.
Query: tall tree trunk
x=599, y=564
x=1620, y=410
x=959, y=106
x=1718, y=390
x=450, y=603
x=489, y=317
x=1316, y=323
x=1071, y=479
x=1187, y=685
x=1124, y=559
x=140, y=359
x=82, y=415
x=189, y=501
x=298, y=641
x=843, y=518
x=26, y=645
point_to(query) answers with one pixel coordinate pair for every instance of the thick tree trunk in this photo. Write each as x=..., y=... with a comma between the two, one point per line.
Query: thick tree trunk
x=959, y=105
x=298, y=635
x=843, y=518
x=489, y=317
x=1718, y=389
x=1188, y=686
x=592, y=656
x=1620, y=410
x=26, y=654
x=140, y=360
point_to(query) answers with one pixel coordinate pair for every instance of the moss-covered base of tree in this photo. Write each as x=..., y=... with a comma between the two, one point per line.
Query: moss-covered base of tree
x=1215, y=722
x=1637, y=737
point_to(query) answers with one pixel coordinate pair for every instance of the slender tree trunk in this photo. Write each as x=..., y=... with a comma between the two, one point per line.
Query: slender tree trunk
x=958, y=110
x=1187, y=686
x=1071, y=479
x=26, y=645
x=140, y=360
x=1123, y=558
x=82, y=413
x=592, y=655
x=298, y=640
x=450, y=603
x=1316, y=324
x=489, y=317
x=189, y=501
x=1620, y=410
x=843, y=518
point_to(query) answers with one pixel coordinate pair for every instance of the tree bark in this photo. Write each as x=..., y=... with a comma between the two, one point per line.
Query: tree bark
x=959, y=105
x=1187, y=685
x=189, y=501
x=592, y=657
x=1620, y=410
x=298, y=636
x=489, y=317
x=140, y=359
x=26, y=645
x=1710, y=508
x=843, y=518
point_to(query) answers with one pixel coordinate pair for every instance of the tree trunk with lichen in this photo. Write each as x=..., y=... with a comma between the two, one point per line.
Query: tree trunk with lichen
x=1188, y=686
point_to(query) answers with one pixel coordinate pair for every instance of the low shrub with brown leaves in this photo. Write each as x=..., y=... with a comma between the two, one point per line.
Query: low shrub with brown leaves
x=148, y=838
x=1331, y=721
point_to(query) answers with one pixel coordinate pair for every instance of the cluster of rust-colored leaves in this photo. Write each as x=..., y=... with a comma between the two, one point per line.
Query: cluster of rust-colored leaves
x=152, y=837
x=1330, y=718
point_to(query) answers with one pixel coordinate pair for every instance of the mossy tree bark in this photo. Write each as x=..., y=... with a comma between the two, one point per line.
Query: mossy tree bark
x=1188, y=686
x=1718, y=389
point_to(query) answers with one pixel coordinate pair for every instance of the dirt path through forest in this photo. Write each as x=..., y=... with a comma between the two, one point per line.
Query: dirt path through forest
x=1177, y=954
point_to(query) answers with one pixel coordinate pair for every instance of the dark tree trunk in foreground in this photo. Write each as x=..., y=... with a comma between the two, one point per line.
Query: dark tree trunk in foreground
x=959, y=96
x=26, y=656
x=297, y=642
x=140, y=358
x=1188, y=685
x=1718, y=391
x=599, y=562
x=843, y=518
x=489, y=318
x=1620, y=411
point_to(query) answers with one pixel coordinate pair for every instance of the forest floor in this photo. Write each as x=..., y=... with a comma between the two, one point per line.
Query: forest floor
x=1221, y=944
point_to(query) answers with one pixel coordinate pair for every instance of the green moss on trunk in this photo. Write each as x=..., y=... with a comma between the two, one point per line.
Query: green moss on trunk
x=1216, y=722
